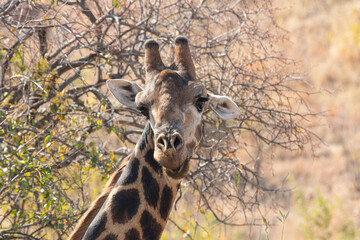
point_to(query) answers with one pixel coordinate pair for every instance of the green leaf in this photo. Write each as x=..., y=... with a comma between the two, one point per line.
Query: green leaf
x=52, y=108
x=266, y=222
x=280, y=218
x=287, y=214
x=79, y=144
x=47, y=138
x=249, y=123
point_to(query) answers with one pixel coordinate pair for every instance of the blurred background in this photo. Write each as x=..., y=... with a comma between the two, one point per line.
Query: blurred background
x=325, y=198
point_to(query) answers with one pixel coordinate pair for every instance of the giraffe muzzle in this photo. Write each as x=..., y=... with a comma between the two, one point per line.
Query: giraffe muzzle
x=180, y=172
x=170, y=151
x=169, y=141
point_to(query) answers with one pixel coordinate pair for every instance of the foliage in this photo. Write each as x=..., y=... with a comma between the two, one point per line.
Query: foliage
x=348, y=230
x=59, y=127
x=317, y=216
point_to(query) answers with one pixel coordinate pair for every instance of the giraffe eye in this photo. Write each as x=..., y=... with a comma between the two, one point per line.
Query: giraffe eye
x=200, y=103
x=144, y=111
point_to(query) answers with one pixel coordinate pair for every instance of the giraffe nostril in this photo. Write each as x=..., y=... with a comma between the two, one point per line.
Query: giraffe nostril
x=177, y=141
x=161, y=142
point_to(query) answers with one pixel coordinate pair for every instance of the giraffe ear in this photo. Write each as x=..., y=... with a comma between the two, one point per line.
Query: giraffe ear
x=224, y=107
x=124, y=91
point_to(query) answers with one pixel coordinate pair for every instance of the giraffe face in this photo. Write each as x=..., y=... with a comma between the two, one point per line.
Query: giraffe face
x=174, y=107
x=173, y=101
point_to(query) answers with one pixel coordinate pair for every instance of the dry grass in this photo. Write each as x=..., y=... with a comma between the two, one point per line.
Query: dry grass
x=324, y=36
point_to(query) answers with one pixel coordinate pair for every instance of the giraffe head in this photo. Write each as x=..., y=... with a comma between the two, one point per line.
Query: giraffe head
x=173, y=101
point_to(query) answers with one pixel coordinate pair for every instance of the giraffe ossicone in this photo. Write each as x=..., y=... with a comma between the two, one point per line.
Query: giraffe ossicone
x=173, y=101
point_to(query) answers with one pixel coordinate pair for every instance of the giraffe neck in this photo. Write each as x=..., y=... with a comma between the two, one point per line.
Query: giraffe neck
x=139, y=205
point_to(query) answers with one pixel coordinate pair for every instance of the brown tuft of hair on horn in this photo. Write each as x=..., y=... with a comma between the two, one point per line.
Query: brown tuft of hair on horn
x=183, y=60
x=153, y=60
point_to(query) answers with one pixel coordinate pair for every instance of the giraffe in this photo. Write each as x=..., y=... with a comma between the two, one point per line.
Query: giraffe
x=139, y=196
